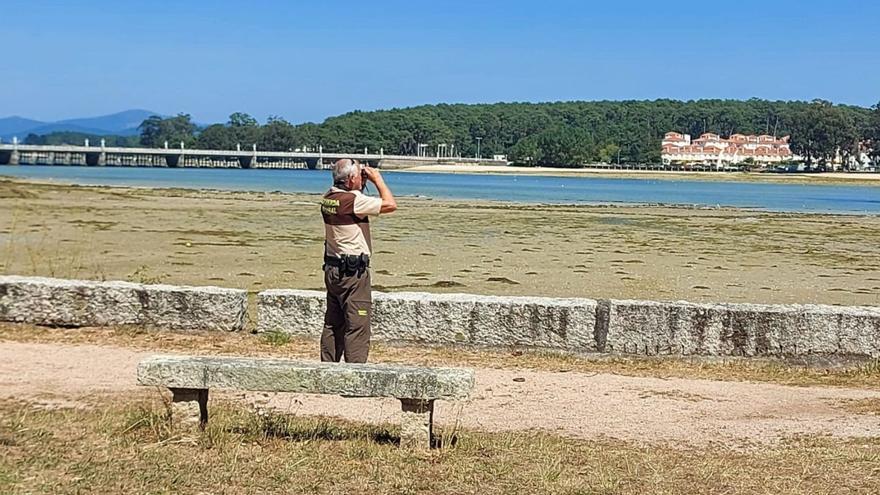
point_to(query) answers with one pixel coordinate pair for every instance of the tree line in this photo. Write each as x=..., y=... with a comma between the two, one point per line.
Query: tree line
x=563, y=134
x=78, y=138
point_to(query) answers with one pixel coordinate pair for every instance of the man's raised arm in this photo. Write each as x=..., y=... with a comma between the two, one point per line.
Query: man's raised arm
x=389, y=204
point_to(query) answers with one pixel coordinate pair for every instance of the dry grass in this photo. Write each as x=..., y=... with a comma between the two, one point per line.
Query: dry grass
x=864, y=375
x=863, y=406
x=127, y=448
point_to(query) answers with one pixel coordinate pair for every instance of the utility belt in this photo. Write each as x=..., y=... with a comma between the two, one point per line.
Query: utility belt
x=348, y=264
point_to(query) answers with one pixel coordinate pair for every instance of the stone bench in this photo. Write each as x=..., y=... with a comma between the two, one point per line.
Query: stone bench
x=190, y=377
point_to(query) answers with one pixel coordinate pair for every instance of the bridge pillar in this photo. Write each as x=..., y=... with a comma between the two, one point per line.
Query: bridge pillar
x=173, y=160
x=314, y=163
x=247, y=161
x=14, y=156
x=96, y=159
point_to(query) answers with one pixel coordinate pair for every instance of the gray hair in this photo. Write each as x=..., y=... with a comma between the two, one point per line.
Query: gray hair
x=343, y=169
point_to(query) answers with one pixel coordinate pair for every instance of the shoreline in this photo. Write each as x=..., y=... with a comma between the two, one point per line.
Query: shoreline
x=824, y=178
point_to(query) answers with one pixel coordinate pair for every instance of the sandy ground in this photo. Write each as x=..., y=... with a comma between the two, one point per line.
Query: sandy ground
x=258, y=241
x=653, y=410
x=836, y=177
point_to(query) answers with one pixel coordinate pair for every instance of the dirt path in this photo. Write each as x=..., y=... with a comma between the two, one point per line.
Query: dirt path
x=692, y=412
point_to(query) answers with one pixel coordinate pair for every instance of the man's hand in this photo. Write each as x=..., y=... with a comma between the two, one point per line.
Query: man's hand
x=372, y=174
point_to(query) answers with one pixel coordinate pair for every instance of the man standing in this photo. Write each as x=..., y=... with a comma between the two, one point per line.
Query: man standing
x=347, y=249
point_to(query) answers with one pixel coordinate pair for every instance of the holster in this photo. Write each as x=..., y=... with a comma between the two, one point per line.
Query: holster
x=349, y=264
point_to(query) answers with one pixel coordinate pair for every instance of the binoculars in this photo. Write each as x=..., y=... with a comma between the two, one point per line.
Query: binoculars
x=364, y=179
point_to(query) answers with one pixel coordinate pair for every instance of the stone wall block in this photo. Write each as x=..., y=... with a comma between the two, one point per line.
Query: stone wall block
x=446, y=318
x=75, y=303
x=661, y=328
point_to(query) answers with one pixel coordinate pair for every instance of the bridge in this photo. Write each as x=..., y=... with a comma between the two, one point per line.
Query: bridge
x=24, y=154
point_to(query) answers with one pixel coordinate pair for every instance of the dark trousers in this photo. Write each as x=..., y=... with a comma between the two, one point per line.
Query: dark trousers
x=347, y=320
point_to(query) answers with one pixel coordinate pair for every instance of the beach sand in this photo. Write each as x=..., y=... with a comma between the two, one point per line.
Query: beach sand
x=259, y=241
x=837, y=178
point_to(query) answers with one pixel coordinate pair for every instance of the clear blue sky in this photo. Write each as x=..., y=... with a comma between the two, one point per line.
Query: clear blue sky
x=309, y=60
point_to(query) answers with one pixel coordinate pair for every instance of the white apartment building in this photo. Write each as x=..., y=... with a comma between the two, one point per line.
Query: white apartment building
x=711, y=148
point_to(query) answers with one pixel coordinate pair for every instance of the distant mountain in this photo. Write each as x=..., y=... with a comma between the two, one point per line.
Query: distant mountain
x=14, y=124
x=121, y=124
x=116, y=123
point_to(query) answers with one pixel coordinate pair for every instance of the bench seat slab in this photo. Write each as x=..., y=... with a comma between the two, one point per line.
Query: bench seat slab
x=285, y=375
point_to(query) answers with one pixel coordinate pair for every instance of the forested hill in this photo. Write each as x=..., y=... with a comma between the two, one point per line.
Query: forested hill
x=553, y=134
x=569, y=133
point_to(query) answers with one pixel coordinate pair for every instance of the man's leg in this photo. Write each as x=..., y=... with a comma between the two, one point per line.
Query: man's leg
x=333, y=336
x=358, y=311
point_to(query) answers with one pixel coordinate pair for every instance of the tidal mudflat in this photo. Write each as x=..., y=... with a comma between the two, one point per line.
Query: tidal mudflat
x=258, y=241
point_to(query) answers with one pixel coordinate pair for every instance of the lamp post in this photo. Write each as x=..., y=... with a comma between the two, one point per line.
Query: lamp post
x=478, y=147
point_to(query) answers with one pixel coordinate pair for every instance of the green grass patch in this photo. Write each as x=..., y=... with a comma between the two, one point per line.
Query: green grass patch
x=275, y=337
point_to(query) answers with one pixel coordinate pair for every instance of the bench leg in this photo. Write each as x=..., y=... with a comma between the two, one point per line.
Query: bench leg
x=189, y=409
x=416, y=423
